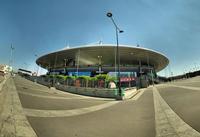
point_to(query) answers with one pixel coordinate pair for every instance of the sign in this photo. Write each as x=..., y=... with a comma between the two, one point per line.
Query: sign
x=127, y=79
x=99, y=72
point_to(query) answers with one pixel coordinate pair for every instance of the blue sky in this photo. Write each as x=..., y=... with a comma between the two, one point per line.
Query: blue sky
x=41, y=26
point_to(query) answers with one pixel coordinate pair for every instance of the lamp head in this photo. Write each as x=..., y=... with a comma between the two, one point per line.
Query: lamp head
x=109, y=14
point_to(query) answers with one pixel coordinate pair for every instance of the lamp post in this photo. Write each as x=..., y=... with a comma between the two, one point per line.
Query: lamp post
x=37, y=66
x=65, y=61
x=78, y=62
x=118, y=30
x=11, y=58
x=100, y=64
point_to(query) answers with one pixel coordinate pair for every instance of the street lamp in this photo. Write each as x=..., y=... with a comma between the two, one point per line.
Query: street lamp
x=65, y=61
x=37, y=66
x=78, y=62
x=118, y=30
x=11, y=64
x=100, y=64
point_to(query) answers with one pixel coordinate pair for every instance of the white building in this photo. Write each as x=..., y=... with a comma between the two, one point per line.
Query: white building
x=4, y=69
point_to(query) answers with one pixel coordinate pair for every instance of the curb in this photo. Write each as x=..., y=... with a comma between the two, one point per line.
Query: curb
x=134, y=93
x=167, y=122
x=12, y=118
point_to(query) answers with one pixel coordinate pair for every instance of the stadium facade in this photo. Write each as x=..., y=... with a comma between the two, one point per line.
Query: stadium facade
x=91, y=60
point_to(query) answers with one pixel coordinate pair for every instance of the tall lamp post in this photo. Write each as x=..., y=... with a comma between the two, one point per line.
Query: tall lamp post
x=65, y=65
x=118, y=30
x=37, y=66
x=11, y=58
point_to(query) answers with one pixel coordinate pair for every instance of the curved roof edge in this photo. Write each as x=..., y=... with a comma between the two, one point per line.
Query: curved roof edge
x=108, y=45
x=97, y=45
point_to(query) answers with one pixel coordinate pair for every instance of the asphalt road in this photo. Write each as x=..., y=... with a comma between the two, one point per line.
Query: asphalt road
x=184, y=102
x=132, y=118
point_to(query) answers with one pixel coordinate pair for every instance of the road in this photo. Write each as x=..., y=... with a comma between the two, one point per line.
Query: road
x=54, y=113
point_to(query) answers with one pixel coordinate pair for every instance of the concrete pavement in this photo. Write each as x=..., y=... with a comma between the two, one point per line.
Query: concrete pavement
x=13, y=122
x=125, y=119
x=168, y=123
x=165, y=110
x=1, y=78
x=2, y=81
x=51, y=116
x=185, y=103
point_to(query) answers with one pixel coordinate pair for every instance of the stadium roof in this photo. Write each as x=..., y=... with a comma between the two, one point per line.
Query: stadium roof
x=88, y=55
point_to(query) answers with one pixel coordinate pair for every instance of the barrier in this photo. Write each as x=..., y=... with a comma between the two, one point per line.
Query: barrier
x=87, y=91
x=95, y=92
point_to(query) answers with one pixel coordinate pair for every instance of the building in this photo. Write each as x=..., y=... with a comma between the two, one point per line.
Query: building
x=97, y=59
x=24, y=72
x=4, y=69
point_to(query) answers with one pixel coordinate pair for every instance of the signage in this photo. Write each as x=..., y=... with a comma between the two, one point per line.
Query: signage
x=127, y=79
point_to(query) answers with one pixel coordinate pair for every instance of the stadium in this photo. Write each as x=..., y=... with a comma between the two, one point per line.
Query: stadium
x=91, y=60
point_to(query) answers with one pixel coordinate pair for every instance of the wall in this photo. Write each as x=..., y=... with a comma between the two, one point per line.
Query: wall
x=95, y=92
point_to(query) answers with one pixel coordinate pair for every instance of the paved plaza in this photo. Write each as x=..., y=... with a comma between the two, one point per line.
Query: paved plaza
x=170, y=109
x=1, y=78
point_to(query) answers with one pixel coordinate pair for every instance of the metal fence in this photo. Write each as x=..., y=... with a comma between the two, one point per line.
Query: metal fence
x=99, y=83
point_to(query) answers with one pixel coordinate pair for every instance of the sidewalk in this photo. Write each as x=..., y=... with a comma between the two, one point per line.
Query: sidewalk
x=168, y=123
x=1, y=78
x=128, y=94
x=4, y=79
x=13, y=121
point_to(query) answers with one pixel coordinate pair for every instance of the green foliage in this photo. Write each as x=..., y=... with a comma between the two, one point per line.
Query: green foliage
x=52, y=76
x=60, y=77
x=110, y=78
x=102, y=76
x=93, y=79
x=71, y=77
x=106, y=77
x=84, y=77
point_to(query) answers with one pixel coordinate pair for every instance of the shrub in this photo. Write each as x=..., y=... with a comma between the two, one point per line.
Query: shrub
x=84, y=77
x=93, y=79
x=102, y=76
x=71, y=77
x=61, y=77
x=110, y=78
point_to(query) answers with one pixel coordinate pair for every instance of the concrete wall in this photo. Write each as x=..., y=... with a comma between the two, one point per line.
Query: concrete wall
x=95, y=92
x=43, y=82
x=39, y=80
